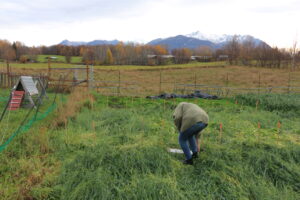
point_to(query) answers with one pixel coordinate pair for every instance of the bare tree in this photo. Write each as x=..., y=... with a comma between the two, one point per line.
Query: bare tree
x=293, y=52
x=247, y=49
x=232, y=48
x=182, y=55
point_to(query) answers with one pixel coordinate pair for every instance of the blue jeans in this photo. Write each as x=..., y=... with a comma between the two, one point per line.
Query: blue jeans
x=189, y=136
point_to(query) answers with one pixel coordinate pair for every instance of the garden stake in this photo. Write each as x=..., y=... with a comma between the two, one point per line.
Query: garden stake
x=220, y=133
x=257, y=102
x=278, y=126
x=278, y=130
x=162, y=123
x=93, y=125
x=258, y=126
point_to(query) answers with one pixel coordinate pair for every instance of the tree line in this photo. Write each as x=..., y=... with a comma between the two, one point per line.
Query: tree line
x=248, y=52
x=236, y=52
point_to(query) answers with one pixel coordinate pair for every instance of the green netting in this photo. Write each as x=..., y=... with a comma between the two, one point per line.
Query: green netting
x=4, y=99
x=27, y=126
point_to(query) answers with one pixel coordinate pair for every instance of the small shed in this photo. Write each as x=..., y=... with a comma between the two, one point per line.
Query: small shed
x=26, y=84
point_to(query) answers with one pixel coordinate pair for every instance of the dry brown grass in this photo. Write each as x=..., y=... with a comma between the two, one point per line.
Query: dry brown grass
x=141, y=82
x=155, y=81
x=74, y=102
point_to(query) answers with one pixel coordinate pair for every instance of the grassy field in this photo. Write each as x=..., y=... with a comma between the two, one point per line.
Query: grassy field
x=98, y=147
x=145, y=82
x=60, y=59
x=61, y=63
x=149, y=80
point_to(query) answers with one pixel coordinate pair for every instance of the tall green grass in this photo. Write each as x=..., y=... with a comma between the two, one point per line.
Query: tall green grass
x=287, y=105
x=24, y=162
x=117, y=149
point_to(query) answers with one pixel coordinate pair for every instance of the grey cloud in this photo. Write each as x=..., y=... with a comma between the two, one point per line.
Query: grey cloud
x=288, y=8
x=37, y=11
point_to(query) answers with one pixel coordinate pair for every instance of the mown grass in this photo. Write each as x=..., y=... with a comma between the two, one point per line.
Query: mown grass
x=61, y=63
x=58, y=58
x=116, y=148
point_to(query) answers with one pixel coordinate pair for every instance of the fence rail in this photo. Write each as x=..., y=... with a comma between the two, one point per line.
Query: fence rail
x=143, y=83
x=9, y=80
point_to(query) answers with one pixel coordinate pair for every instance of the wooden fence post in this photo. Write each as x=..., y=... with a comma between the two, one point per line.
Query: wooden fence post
x=160, y=81
x=87, y=76
x=227, y=79
x=49, y=69
x=119, y=86
x=1, y=78
x=8, y=73
x=4, y=80
x=195, y=81
x=258, y=82
x=289, y=82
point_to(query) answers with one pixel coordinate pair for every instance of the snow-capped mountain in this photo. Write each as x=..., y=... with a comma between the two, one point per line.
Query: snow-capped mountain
x=210, y=37
x=221, y=39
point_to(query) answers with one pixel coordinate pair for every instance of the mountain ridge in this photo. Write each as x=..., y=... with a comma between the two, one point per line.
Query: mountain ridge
x=191, y=41
x=91, y=43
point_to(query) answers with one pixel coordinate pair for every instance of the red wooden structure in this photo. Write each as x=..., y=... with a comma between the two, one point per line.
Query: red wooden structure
x=16, y=100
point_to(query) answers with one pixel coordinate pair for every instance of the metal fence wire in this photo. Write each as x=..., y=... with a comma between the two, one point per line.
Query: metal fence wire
x=139, y=82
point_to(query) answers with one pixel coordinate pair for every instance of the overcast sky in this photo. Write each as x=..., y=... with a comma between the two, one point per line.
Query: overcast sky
x=48, y=22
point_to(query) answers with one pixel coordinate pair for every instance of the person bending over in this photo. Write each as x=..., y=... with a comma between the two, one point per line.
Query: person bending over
x=190, y=120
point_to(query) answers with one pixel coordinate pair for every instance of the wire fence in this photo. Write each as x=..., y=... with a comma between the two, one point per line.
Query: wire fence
x=144, y=82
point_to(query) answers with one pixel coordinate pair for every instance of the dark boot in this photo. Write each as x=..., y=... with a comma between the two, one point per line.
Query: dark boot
x=195, y=155
x=188, y=162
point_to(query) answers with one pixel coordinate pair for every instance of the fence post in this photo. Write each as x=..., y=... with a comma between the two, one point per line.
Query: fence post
x=174, y=88
x=119, y=86
x=91, y=78
x=289, y=82
x=4, y=80
x=160, y=81
x=195, y=81
x=87, y=76
x=258, y=82
x=8, y=73
x=227, y=80
x=49, y=68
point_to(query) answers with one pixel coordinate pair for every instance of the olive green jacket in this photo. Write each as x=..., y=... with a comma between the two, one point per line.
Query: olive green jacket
x=188, y=114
